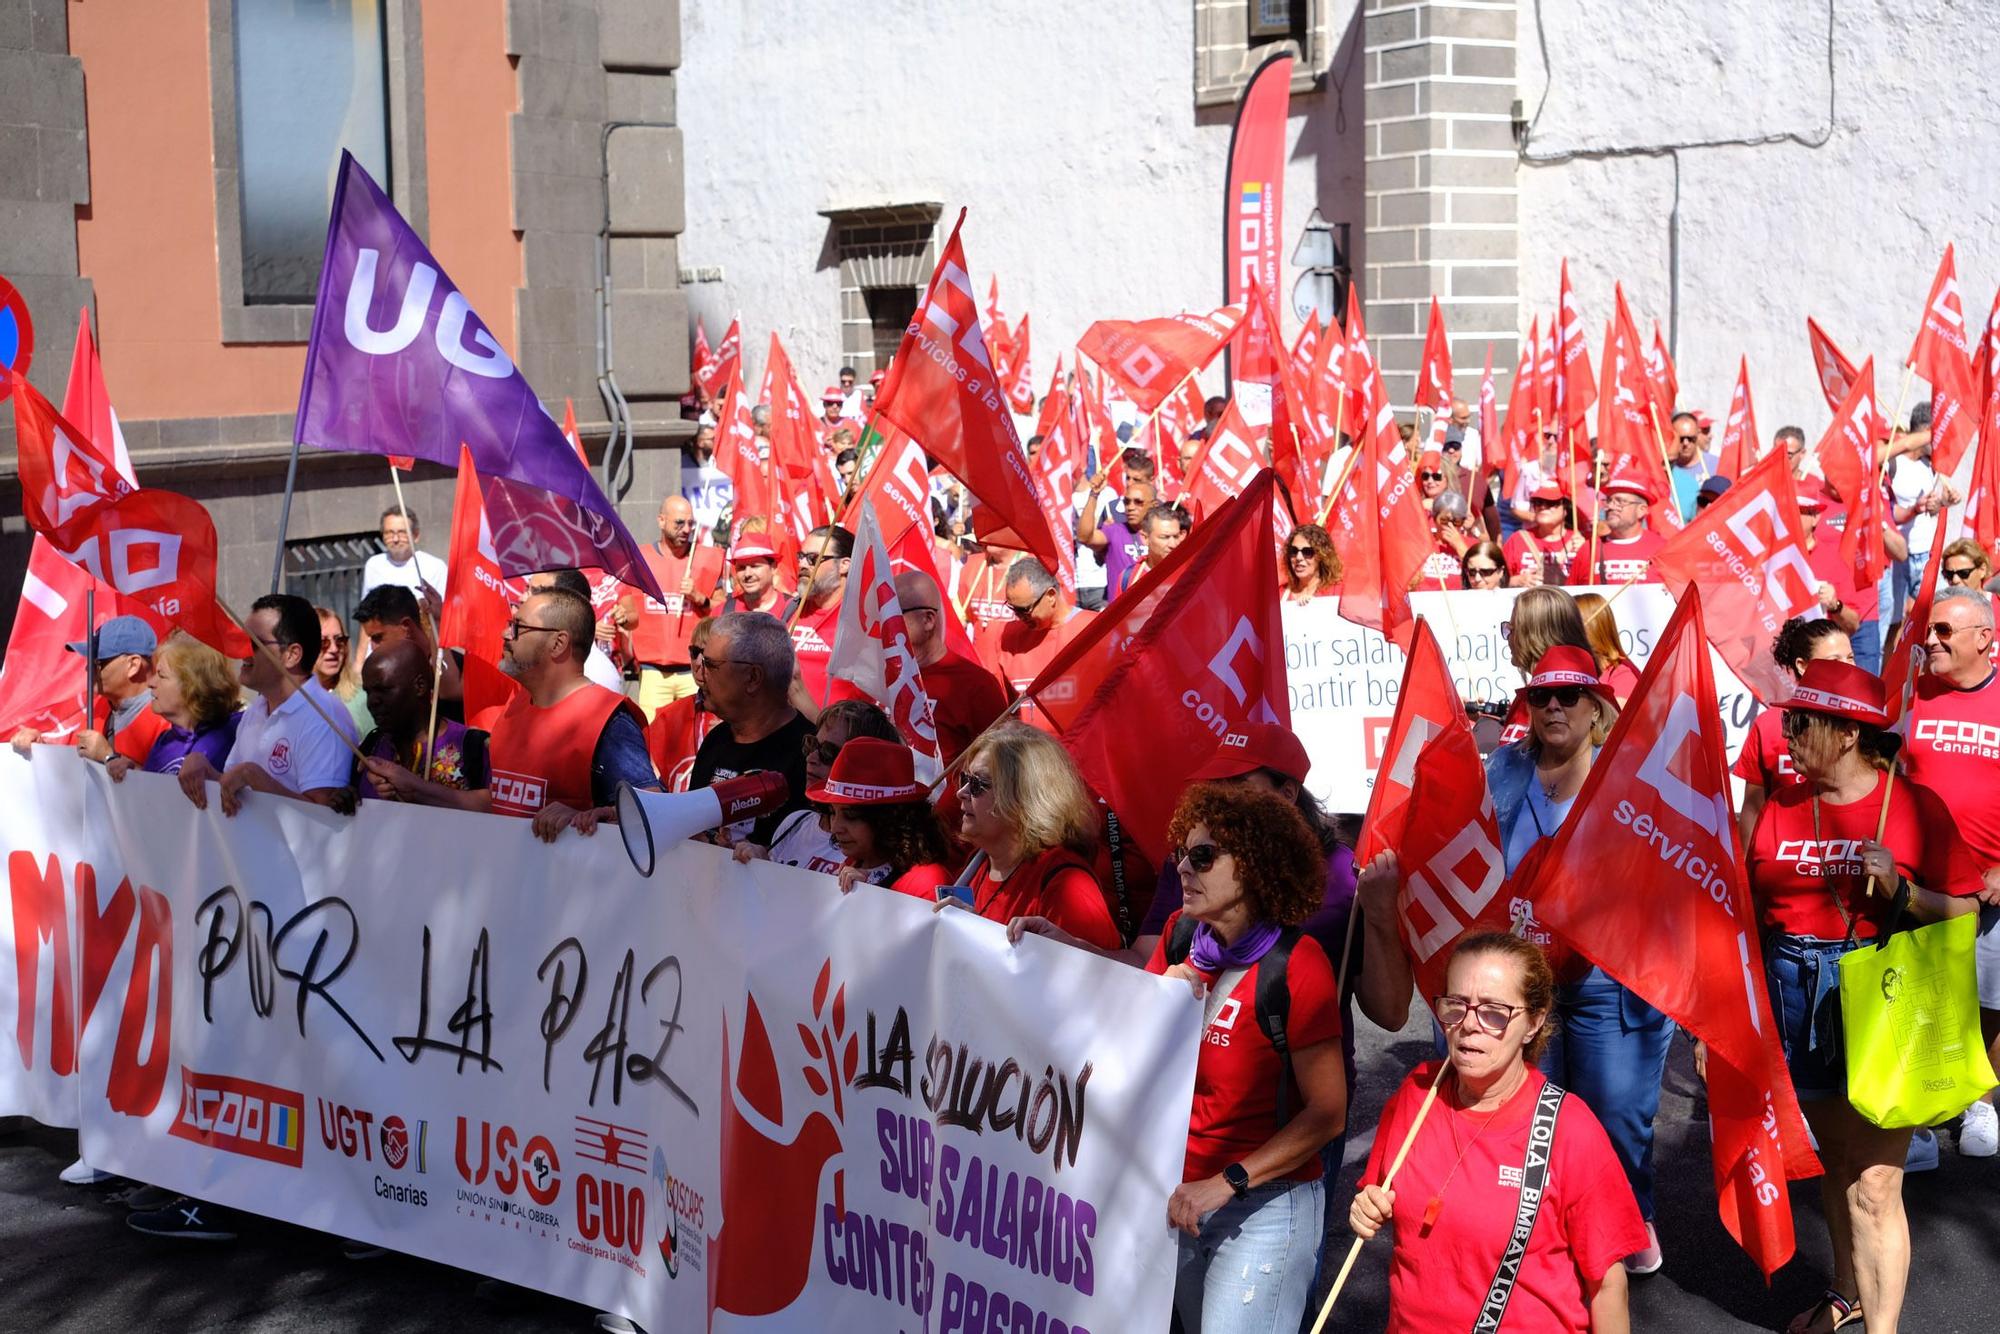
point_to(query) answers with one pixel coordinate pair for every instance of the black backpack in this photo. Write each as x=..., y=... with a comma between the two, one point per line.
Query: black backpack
x=1273, y=1005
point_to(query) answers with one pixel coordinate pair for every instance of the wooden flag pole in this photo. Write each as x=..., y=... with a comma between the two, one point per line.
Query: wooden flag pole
x=1882, y=471
x=423, y=619
x=1619, y=593
x=90, y=658
x=1354, y=1251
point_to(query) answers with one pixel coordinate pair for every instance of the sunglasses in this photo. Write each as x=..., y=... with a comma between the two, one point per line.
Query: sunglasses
x=1027, y=613
x=1481, y=571
x=1200, y=858
x=813, y=747
x=1430, y=476
x=1688, y=439
x=975, y=785
x=1297, y=553
x=1942, y=631
x=1567, y=696
x=340, y=641
x=1959, y=575
x=1491, y=1016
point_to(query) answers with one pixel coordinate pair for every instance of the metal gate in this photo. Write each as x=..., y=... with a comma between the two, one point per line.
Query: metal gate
x=326, y=571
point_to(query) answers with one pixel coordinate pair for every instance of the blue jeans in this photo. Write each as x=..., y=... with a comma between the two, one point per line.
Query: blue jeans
x=1867, y=639
x=1610, y=1049
x=1251, y=1270
x=1803, y=974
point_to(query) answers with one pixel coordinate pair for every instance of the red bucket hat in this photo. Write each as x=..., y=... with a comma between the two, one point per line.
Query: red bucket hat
x=1546, y=491
x=1253, y=746
x=753, y=548
x=870, y=772
x=1843, y=690
x=1567, y=665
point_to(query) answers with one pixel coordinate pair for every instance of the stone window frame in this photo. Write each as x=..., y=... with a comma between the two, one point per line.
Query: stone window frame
x=408, y=179
x=871, y=240
x=1224, y=59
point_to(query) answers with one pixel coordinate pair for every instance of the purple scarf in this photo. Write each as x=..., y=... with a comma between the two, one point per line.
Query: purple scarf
x=1209, y=955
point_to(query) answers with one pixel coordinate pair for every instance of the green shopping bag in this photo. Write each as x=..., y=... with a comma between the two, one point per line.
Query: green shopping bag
x=1909, y=1007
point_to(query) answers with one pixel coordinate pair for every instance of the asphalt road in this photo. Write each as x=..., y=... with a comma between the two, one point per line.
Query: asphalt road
x=67, y=1262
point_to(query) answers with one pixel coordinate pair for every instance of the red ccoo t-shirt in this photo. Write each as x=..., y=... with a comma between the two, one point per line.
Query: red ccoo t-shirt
x=1472, y=1167
x=1764, y=759
x=1953, y=745
x=1236, y=1073
x=1057, y=885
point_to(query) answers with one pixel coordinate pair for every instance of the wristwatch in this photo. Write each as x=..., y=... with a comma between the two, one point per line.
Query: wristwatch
x=1238, y=1179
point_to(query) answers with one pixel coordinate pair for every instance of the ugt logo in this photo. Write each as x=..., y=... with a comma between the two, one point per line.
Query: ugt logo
x=487, y=360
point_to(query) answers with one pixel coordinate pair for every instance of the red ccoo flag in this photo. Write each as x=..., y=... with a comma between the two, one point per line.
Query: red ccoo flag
x=1740, y=449
x=941, y=390
x=1434, y=380
x=1655, y=820
x=1941, y=356
x=1377, y=522
x=1982, y=495
x=1627, y=431
x=1426, y=705
x=724, y=362
x=1449, y=854
x=570, y=433
x=1747, y=551
x=704, y=355
x=478, y=598
x=1901, y=664
x=1850, y=452
x=1575, y=391
x=1200, y=651
x=871, y=647
x=1020, y=387
x=1660, y=372
x=1151, y=358
x=1833, y=370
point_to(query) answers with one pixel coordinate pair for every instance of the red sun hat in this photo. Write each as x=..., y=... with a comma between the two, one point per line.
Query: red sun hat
x=1249, y=747
x=870, y=772
x=1627, y=481
x=1430, y=458
x=1842, y=690
x=1566, y=665
x=833, y=395
x=753, y=548
x=1546, y=491
x=1811, y=496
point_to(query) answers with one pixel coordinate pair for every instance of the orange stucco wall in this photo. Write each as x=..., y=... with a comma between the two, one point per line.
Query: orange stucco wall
x=147, y=241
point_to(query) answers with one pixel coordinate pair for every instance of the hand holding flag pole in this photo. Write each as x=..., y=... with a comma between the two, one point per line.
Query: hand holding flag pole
x=1354, y=1251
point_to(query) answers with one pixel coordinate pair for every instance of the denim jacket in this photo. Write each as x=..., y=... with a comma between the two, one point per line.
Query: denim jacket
x=1509, y=770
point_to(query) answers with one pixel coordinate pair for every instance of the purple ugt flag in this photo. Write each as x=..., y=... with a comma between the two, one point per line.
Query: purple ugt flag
x=400, y=364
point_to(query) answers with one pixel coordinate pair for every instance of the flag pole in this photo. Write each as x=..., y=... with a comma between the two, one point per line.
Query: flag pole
x=285, y=517
x=1608, y=601
x=90, y=657
x=1909, y=369
x=424, y=619
x=271, y=657
x=1354, y=1251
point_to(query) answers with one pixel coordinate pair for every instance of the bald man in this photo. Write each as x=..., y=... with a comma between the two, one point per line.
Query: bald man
x=397, y=681
x=688, y=575
x=965, y=697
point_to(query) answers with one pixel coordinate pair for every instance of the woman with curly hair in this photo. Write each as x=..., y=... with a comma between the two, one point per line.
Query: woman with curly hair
x=1251, y=1204
x=880, y=818
x=1312, y=566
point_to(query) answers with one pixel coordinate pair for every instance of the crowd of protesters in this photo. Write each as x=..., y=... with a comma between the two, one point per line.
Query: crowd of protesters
x=1260, y=896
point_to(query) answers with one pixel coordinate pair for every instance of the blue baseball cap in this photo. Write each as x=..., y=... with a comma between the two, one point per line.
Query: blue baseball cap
x=118, y=636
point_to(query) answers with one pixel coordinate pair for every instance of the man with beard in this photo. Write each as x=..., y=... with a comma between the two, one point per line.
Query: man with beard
x=823, y=561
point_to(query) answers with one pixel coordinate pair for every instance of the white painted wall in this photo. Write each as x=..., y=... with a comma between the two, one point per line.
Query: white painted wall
x=1850, y=232
x=1070, y=132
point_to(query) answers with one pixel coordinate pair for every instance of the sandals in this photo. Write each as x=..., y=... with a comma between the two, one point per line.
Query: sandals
x=1842, y=1311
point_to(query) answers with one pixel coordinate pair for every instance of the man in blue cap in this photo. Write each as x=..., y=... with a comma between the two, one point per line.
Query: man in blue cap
x=123, y=658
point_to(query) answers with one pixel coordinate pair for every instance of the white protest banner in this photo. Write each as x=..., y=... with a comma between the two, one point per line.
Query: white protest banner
x=725, y=1097
x=1344, y=678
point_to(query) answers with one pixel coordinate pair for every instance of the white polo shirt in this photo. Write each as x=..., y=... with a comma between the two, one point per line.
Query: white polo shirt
x=422, y=565
x=295, y=745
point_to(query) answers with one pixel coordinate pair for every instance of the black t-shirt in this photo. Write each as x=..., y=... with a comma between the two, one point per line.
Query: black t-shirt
x=721, y=755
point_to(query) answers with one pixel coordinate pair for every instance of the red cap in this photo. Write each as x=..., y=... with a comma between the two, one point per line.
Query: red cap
x=1249, y=747
x=1703, y=420
x=1841, y=689
x=1567, y=665
x=833, y=394
x=878, y=377
x=1811, y=496
x=870, y=772
x=1432, y=459
x=753, y=548
x=1546, y=491
x=1628, y=481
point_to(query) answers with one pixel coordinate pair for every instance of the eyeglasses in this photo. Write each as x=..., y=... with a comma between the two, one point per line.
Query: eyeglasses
x=1136, y=502
x=1300, y=553
x=1545, y=504
x=824, y=751
x=1027, y=613
x=1942, y=631
x=1200, y=858
x=1567, y=696
x=1492, y=1017
x=340, y=641
x=1688, y=439
x=1958, y=575
x=974, y=785
x=515, y=629
x=1481, y=571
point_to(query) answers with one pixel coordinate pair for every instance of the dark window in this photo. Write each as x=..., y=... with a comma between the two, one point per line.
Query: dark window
x=890, y=310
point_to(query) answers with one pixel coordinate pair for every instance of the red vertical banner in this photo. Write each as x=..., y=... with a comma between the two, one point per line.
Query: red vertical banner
x=1253, y=202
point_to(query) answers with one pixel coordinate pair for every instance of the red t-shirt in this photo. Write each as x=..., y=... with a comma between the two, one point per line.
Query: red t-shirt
x=661, y=635
x=980, y=593
x=1525, y=549
x=1235, y=1106
x=1623, y=678
x=921, y=882
x=1628, y=558
x=812, y=642
x=1057, y=885
x=1020, y=651
x=1438, y=1275
x=673, y=737
x=965, y=699
x=1794, y=877
x=1764, y=759
x=1952, y=745
x=1823, y=556
x=1441, y=567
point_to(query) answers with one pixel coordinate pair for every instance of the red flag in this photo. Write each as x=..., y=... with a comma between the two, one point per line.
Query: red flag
x=1188, y=409
x=478, y=598
x=1624, y=423
x=1747, y=552
x=1298, y=453
x=1575, y=391
x=1152, y=358
x=1548, y=370
x=704, y=355
x=1253, y=204
x=914, y=551
x=1020, y=389
x=1449, y=854
x=1493, y=452
x=1660, y=373
x=871, y=645
x=899, y=484
x=940, y=389
x=1518, y=441
x=1850, y=454
x=1739, y=434
x=570, y=433
x=1201, y=650
x=1434, y=381
x=1900, y=666
x=1305, y=349
x=1982, y=497
x=1835, y=371
x=724, y=363
x=1426, y=705
x=1377, y=523
x=1941, y=356
x=1657, y=822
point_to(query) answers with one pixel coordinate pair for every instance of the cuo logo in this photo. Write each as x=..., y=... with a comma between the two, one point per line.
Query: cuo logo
x=1710, y=812
x=950, y=327
x=489, y=361
x=1141, y=364
x=1751, y=540
x=140, y=558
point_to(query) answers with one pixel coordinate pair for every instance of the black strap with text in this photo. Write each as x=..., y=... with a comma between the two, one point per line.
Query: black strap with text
x=1534, y=1181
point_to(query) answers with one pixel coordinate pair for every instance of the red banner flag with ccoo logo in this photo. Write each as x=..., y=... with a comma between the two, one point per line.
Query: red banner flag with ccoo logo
x=1982, y=494
x=1575, y=391
x=1942, y=356
x=725, y=361
x=1253, y=212
x=478, y=598
x=1377, y=522
x=1654, y=819
x=1850, y=452
x=1434, y=380
x=941, y=390
x=871, y=646
x=1740, y=448
x=1626, y=429
x=1747, y=552
x=1426, y=705
x=1201, y=652
x=1831, y=368
x=1152, y=358
x=1449, y=854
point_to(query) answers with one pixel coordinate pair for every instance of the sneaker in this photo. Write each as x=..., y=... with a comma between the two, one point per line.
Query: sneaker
x=1979, y=1133
x=142, y=1198
x=1649, y=1260
x=80, y=1173
x=186, y=1220
x=1923, y=1154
